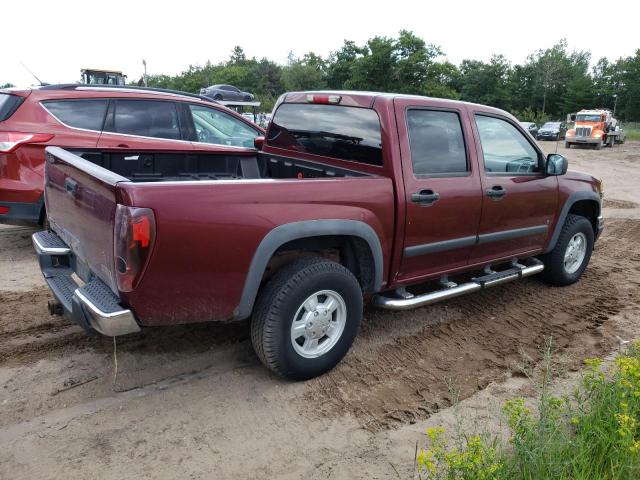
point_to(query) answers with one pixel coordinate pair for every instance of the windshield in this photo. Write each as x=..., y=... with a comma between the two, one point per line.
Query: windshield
x=588, y=118
x=551, y=125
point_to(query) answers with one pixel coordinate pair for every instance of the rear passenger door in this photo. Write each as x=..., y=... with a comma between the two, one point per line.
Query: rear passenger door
x=442, y=187
x=143, y=124
x=142, y=129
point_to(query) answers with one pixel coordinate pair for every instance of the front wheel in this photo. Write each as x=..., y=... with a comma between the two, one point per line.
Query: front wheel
x=306, y=318
x=569, y=258
x=567, y=145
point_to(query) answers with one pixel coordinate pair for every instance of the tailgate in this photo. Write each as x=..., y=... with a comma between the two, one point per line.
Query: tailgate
x=80, y=200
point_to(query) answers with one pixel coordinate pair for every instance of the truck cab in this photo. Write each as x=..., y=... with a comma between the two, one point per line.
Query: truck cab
x=594, y=127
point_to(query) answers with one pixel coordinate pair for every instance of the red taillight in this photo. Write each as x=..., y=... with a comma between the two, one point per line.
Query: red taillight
x=324, y=99
x=142, y=231
x=4, y=210
x=134, y=234
x=9, y=141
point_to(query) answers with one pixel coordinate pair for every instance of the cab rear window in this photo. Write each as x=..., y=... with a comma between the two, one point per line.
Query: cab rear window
x=346, y=133
x=8, y=105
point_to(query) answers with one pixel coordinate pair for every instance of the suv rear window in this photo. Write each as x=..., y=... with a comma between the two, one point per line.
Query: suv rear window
x=87, y=114
x=347, y=133
x=8, y=105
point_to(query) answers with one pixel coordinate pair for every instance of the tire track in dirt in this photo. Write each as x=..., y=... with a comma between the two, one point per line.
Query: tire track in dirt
x=619, y=204
x=480, y=338
x=29, y=334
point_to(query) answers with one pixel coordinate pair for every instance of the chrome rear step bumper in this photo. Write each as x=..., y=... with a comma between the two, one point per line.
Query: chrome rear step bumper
x=93, y=305
x=490, y=280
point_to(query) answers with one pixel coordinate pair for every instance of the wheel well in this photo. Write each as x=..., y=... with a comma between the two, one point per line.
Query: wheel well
x=352, y=252
x=588, y=209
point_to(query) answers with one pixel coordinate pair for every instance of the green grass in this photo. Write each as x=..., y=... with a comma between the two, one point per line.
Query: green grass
x=632, y=133
x=591, y=434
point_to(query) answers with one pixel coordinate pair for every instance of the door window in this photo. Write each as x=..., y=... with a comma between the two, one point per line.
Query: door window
x=86, y=114
x=217, y=127
x=505, y=148
x=437, y=143
x=147, y=118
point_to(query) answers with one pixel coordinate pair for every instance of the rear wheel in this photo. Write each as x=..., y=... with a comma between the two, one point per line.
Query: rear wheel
x=306, y=318
x=569, y=258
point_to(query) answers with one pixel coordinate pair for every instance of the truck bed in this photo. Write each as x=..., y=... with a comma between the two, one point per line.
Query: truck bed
x=185, y=166
x=209, y=225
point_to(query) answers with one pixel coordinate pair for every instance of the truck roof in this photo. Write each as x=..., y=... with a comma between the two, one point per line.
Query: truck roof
x=363, y=98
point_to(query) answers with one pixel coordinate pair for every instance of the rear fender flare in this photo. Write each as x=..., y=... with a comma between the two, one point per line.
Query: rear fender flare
x=573, y=198
x=297, y=230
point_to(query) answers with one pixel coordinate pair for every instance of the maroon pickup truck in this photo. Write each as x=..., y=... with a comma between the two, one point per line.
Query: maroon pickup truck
x=350, y=196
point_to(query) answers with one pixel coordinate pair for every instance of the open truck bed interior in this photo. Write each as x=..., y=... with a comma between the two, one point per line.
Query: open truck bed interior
x=169, y=166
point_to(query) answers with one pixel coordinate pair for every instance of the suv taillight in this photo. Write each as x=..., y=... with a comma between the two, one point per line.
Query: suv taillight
x=133, y=238
x=9, y=141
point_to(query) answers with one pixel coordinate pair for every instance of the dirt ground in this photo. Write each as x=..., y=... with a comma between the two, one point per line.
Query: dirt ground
x=194, y=402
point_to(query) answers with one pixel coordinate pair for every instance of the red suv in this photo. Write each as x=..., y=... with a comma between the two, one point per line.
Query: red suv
x=83, y=117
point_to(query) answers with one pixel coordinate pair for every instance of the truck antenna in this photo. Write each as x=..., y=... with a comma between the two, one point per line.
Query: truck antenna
x=33, y=74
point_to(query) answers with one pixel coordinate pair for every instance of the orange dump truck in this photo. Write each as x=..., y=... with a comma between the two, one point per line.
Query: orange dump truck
x=595, y=127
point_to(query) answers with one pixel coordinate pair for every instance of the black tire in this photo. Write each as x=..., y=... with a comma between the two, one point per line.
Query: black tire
x=567, y=145
x=555, y=272
x=217, y=96
x=276, y=308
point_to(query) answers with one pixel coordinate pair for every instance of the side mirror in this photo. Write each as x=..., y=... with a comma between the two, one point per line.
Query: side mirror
x=258, y=142
x=556, y=164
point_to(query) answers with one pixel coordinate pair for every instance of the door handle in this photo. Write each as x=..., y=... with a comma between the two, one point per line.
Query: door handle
x=425, y=197
x=71, y=186
x=496, y=192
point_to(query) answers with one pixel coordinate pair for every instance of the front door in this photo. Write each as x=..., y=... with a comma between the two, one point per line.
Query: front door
x=442, y=185
x=519, y=201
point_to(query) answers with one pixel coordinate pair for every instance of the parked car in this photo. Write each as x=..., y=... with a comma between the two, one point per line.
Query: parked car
x=530, y=127
x=349, y=195
x=227, y=93
x=99, y=117
x=552, y=131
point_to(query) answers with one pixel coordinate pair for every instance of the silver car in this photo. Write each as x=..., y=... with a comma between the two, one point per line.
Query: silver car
x=226, y=93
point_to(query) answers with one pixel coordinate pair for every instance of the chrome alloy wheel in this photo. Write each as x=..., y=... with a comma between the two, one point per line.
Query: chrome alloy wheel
x=575, y=252
x=318, y=324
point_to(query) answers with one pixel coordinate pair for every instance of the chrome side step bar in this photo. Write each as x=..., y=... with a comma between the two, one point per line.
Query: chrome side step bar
x=478, y=283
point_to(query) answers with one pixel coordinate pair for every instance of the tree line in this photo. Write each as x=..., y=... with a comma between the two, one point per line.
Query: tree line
x=549, y=84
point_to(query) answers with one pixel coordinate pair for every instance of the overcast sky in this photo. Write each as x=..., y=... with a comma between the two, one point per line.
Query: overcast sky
x=56, y=39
